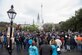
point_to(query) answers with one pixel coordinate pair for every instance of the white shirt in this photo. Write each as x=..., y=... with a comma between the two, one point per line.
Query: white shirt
x=59, y=43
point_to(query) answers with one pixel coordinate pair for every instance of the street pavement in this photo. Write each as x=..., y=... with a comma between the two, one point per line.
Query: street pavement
x=72, y=52
x=23, y=52
x=14, y=52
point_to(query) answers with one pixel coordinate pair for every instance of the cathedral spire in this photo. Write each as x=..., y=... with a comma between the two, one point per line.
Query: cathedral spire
x=38, y=19
x=42, y=14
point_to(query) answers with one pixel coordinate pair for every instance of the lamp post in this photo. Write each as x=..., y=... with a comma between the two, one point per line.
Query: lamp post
x=11, y=13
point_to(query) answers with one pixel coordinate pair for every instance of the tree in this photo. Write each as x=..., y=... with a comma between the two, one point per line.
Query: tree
x=3, y=26
x=31, y=28
x=74, y=23
x=47, y=27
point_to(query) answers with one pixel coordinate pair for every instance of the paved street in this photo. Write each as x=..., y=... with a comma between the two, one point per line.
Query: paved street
x=71, y=53
x=5, y=52
x=23, y=52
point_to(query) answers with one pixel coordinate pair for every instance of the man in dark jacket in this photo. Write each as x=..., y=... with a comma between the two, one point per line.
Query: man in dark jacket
x=45, y=49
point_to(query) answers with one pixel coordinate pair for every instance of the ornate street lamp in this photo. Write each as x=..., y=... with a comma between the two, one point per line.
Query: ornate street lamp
x=11, y=13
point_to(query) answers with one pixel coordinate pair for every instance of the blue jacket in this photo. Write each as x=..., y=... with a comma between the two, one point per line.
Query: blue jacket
x=54, y=49
x=5, y=40
x=30, y=41
x=33, y=50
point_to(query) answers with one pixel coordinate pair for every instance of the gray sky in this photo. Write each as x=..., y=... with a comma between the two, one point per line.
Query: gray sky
x=53, y=11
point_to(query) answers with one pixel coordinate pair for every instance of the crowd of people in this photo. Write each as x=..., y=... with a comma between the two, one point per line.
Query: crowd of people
x=43, y=43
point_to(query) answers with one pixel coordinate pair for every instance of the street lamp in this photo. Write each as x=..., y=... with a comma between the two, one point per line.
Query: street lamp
x=11, y=13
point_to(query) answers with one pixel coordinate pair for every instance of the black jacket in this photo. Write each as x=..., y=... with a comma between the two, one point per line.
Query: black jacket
x=45, y=50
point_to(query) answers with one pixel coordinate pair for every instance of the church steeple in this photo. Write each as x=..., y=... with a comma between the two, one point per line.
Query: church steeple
x=38, y=19
x=33, y=22
x=42, y=20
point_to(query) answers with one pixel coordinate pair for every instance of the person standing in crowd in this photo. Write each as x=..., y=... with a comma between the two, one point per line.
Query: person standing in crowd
x=33, y=50
x=54, y=47
x=45, y=49
x=0, y=43
x=73, y=43
x=0, y=40
x=28, y=42
x=59, y=43
x=65, y=41
x=18, y=46
x=79, y=42
x=62, y=40
x=68, y=44
x=5, y=40
x=25, y=43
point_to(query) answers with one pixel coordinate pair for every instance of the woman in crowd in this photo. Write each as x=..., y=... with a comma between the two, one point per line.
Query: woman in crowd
x=54, y=47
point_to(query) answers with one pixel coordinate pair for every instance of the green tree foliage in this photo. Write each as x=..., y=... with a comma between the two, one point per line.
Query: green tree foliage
x=48, y=27
x=3, y=26
x=74, y=23
x=31, y=28
x=56, y=27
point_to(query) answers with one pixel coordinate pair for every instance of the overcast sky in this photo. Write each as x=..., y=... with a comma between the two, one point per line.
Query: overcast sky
x=53, y=11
